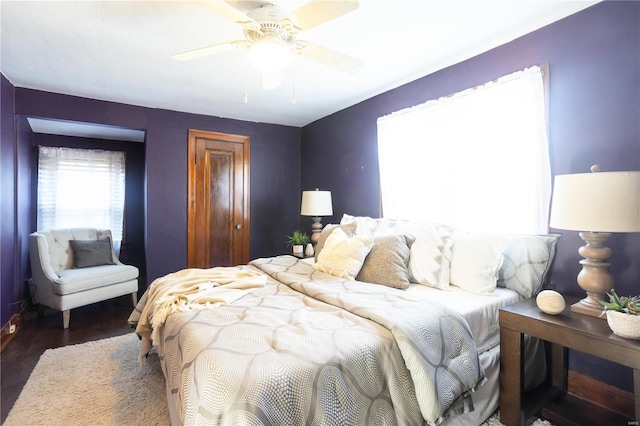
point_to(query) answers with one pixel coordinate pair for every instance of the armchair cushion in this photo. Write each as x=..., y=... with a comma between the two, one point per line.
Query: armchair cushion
x=87, y=253
x=82, y=279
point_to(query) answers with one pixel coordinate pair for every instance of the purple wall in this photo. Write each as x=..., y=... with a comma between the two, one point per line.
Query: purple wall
x=275, y=171
x=8, y=159
x=594, y=59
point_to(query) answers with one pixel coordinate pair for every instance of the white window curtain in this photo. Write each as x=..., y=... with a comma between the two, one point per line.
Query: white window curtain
x=477, y=160
x=81, y=188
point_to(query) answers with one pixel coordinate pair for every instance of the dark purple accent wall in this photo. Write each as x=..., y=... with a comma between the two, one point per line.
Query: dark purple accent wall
x=8, y=160
x=274, y=178
x=594, y=98
x=23, y=192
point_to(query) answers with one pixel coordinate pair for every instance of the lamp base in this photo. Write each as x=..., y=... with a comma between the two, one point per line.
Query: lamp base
x=594, y=278
x=588, y=306
x=316, y=228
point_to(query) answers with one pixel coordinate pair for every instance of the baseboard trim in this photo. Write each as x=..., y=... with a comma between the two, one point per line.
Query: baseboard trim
x=5, y=334
x=601, y=394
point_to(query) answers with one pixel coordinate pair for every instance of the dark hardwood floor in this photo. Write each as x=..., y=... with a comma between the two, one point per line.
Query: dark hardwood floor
x=93, y=322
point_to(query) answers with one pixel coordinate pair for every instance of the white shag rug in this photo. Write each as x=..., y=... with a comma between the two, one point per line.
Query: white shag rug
x=95, y=383
x=101, y=383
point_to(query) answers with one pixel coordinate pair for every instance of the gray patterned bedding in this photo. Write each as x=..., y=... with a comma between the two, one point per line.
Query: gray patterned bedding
x=311, y=348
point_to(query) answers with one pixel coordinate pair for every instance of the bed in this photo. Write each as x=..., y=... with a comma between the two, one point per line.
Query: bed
x=354, y=336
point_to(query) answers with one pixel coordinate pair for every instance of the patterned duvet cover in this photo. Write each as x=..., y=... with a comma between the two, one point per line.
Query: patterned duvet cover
x=310, y=348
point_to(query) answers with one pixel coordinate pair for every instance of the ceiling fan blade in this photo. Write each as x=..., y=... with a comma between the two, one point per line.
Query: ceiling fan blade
x=315, y=13
x=209, y=50
x=230, y=12
x=329, y=57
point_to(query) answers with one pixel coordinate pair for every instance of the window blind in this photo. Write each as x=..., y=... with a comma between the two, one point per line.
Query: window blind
x=81, y=188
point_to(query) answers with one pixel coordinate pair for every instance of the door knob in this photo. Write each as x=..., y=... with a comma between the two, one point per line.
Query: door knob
x=238, y=226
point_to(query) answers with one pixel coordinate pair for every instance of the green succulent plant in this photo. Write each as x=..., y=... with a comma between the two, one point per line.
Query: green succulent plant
x=297, y=238
x=625, y=304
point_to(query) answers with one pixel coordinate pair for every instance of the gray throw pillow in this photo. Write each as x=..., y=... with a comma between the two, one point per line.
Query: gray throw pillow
x=388, y=262
x=88, y=253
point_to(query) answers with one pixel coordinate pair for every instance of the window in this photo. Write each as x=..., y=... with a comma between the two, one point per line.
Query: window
x=81, y=188
x=477, y=160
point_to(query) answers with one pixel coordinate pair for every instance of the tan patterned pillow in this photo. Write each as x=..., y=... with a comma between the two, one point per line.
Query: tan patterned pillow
x=387, y=263
x=348, y=229
x=343, y=256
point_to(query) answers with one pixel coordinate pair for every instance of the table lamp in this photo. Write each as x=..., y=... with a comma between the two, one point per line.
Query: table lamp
x=597, y=204
x=316, y=203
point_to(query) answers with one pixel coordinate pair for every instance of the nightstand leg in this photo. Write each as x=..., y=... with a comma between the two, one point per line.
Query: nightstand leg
x=511, y=377
x=559, y=367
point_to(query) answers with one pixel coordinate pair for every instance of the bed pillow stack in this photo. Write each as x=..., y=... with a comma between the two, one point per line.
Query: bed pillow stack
x=429, y=246
x=439, y=256
x=521, y=263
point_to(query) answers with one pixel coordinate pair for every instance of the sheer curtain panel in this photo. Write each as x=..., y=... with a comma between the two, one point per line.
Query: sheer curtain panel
x=81, y=188
x=478, y=160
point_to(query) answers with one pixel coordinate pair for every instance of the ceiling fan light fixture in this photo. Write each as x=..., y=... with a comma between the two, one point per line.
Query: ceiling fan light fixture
x=270, y=53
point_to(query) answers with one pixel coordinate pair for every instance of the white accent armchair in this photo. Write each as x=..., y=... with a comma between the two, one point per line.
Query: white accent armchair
x=55, y=281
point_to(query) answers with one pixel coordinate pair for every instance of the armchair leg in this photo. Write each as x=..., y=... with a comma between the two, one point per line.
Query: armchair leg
x=134, y=297
x=65, y=318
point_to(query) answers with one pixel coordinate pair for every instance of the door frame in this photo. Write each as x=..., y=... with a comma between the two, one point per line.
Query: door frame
x=193, y=209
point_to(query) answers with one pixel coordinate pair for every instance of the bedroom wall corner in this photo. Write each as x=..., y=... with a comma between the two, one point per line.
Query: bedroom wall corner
x=8, y=158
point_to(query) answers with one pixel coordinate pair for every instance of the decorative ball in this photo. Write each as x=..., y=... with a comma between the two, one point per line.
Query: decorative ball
x=550, y=302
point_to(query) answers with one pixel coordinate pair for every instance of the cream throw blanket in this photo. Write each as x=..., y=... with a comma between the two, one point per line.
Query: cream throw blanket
x=189, y=289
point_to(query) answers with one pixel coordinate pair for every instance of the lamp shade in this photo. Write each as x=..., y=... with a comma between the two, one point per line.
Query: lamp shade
x=597, y=202
x=316, y=203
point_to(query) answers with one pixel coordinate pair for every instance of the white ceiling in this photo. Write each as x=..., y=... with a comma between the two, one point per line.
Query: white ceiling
x=121, y=51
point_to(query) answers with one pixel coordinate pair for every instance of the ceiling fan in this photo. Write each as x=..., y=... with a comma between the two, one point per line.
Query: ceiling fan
x=271, y=36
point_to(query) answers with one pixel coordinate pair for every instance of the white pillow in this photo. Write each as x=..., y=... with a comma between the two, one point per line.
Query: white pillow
x=430, y=253
x=476, y=260
x=343, y=256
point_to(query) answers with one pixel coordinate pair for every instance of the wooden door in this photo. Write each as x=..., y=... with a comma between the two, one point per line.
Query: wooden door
x=218, y=200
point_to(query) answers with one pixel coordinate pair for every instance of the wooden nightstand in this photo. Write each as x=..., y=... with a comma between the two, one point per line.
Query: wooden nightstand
x=567, y=330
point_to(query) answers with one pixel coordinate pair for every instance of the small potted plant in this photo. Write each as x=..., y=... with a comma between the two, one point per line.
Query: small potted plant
x=297, y=241
x=623, y=315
